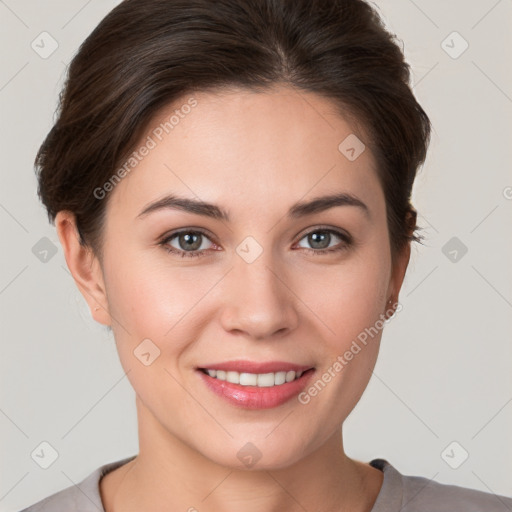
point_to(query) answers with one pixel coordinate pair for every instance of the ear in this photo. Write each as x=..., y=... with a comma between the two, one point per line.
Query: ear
x=84, y=267
x=398, y=273
x=402, y=258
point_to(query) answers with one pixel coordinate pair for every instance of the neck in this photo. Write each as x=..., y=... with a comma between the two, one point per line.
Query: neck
x=170, y=475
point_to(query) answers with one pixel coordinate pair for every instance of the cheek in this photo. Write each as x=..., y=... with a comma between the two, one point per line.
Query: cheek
x=152, y=324
x=353, y=309
x=152, y=300
x=350, y=347
x=346, y=299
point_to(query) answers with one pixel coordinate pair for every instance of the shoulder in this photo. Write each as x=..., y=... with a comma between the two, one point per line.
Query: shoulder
x=420, y=494
x=82, y=497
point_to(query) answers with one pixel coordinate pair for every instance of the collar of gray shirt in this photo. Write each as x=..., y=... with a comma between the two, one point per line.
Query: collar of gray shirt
x=399, y=493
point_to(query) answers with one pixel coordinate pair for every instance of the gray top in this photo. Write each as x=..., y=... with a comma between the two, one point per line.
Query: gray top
x=399, y=493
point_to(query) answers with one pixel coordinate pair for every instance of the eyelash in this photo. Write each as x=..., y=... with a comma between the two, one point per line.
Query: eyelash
x=347, y=242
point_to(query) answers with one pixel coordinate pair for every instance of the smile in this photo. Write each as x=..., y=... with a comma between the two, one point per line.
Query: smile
x=252, y=385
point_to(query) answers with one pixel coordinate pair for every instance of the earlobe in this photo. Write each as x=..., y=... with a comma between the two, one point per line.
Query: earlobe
x=84, y=267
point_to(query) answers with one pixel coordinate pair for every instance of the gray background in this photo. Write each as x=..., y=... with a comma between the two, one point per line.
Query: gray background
x=444, y=369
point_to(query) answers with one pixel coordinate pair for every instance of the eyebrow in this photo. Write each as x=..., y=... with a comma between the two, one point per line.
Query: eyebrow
x=298, y=210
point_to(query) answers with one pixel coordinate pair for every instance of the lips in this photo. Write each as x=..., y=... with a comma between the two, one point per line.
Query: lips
x=254, y=385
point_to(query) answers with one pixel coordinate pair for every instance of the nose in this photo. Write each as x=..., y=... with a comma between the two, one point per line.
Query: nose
x=258, y=300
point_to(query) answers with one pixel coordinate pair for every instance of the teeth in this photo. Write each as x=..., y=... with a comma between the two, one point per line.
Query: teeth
x=266, y=380
x=248, y=379
x=233, y=377
x=262, y=380
x=279, y=378
x=290, y=376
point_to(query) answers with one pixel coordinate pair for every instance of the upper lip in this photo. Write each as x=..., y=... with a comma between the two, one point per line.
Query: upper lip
x=241, y=366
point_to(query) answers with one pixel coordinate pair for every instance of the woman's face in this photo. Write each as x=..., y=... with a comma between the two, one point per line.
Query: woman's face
x=260, y=285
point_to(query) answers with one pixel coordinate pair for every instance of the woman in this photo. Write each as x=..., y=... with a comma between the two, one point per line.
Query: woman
x=231, y=183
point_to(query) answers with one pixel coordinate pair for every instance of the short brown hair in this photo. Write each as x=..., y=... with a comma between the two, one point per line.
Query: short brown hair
x=146, y=53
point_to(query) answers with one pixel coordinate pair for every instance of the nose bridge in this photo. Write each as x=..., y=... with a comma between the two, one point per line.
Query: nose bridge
x=259, y=302
x=260, y=279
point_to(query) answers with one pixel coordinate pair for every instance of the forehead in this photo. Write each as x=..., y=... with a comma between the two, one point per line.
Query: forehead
x=246, y=150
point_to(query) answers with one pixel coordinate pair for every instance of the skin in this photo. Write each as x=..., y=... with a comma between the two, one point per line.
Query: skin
x=255, y=155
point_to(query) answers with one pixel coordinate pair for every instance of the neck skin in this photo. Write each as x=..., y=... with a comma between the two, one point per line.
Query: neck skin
x=169, y=475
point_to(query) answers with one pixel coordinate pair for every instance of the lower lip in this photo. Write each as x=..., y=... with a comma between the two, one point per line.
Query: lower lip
x=254, y=397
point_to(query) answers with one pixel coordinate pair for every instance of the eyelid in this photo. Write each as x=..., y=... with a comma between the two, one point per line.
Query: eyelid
x=345, y=235
x=192, y=229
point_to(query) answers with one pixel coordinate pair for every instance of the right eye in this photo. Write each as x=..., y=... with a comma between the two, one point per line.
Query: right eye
x=190, y=243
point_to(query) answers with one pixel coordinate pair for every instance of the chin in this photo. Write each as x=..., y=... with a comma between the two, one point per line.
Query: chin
x=257, y=453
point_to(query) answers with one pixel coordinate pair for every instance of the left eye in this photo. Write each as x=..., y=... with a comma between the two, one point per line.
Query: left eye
x=321, y=238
